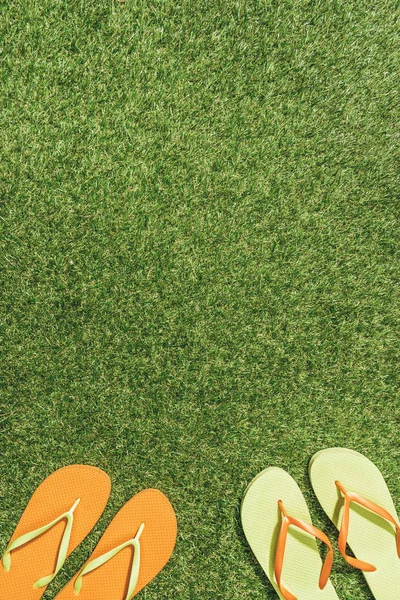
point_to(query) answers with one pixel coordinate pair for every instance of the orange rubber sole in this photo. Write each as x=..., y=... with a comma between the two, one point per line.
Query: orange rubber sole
x=157, y=542
x=54, y=496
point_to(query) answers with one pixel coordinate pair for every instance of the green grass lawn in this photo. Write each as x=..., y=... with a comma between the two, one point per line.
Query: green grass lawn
x=198, y=250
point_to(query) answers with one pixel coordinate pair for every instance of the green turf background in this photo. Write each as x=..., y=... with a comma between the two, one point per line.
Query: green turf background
x=198, y=258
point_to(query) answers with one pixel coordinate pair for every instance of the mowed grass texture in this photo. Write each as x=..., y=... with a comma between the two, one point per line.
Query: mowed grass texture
x=199, y=265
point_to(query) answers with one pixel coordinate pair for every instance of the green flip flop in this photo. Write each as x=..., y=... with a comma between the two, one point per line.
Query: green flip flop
x=355, y=497
x=277, y=525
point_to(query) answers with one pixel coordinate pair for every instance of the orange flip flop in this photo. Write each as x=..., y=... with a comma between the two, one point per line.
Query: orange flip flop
x=60, y=514
x=134, y=548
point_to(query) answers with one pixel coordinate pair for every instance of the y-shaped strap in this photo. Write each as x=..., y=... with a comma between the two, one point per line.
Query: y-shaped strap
x=287, y=521
x=28, y=537
x=350, y=497
x=101, y=560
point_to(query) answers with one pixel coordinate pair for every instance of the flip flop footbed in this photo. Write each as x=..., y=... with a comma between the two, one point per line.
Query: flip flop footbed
x=261, y=519
x=86, y=487
x=371, y=538
x=151, y=513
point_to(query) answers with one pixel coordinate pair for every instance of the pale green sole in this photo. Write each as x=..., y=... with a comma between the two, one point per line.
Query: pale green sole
x=371, y=538
x=261, y=522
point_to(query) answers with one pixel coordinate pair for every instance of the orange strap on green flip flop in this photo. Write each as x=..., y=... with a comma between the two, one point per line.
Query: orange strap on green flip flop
x=287, y=521
x=134, y=548
x=355, y=496
x=350, y=497
x=285, y=545
x=62, y=511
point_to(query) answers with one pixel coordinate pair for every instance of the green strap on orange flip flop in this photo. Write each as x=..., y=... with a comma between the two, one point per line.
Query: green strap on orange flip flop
x=60, y=514
x=29, y=537
x=134, y=548
x=101, y=560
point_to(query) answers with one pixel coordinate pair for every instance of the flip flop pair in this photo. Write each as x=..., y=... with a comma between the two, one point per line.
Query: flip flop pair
x=63, y=510
x=354, y=495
